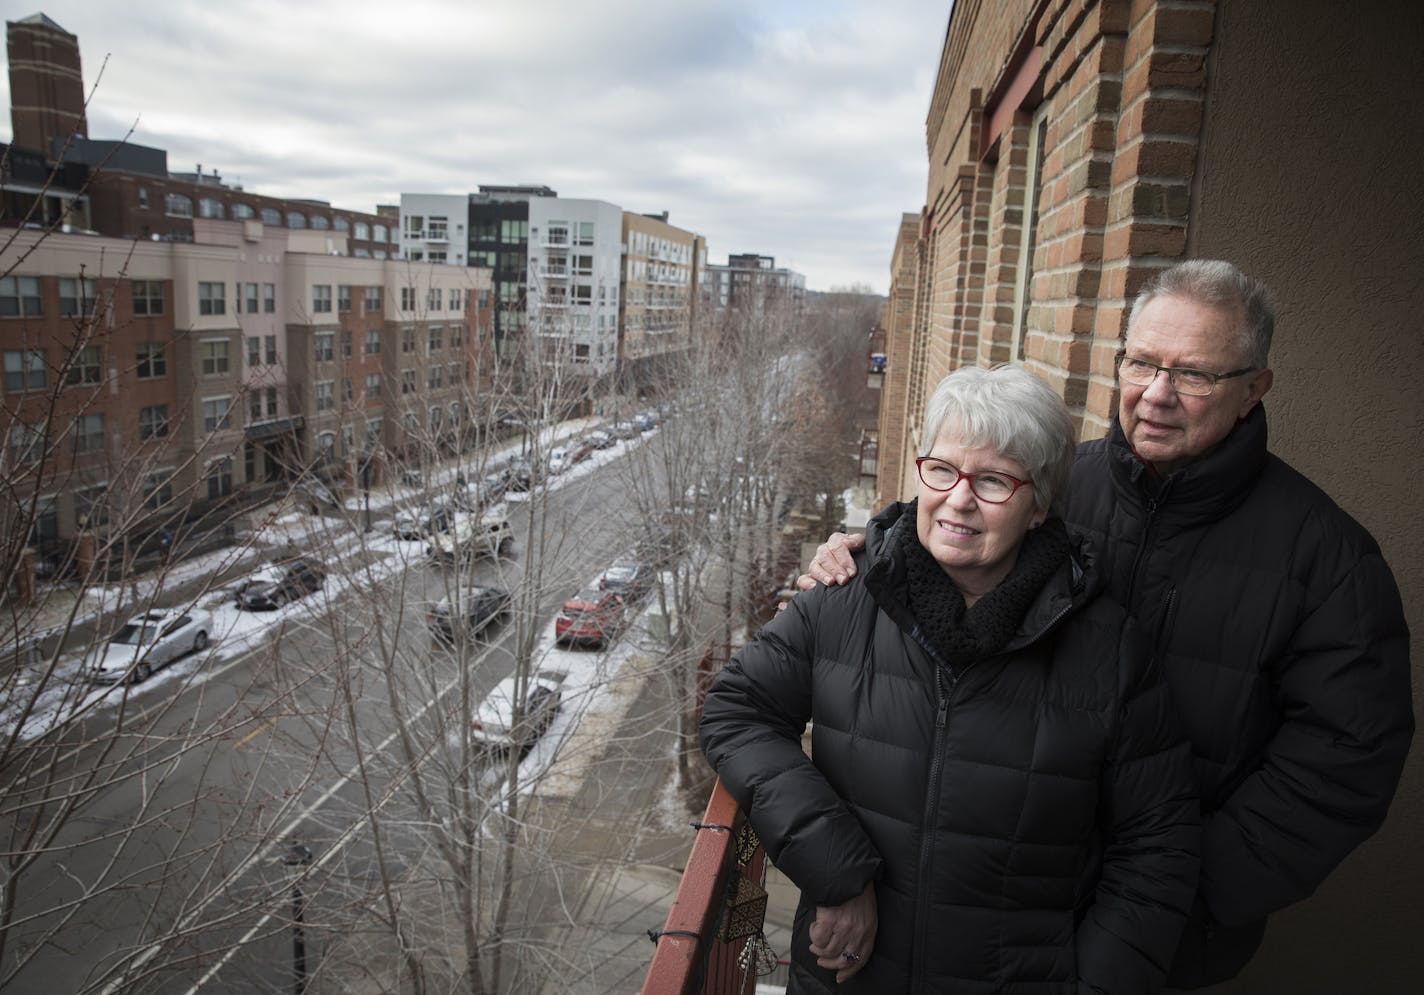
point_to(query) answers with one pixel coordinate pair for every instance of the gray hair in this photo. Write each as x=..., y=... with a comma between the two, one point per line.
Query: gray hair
x=1013, y=412
x=1219, y=284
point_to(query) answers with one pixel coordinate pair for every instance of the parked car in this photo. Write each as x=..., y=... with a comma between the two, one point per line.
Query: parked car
x=559, y=460
x=472, y=536
x=421, y=522
x=580, y=450
x=468, y=609
x=499, y=726
x=518, y=474
x=601, y=439
x=646, y=420
x=318, y=496
x=282, y=582
x=149, y=641
x=624, y=430
x=480, y=494
x=589, y=618
x=626, y=576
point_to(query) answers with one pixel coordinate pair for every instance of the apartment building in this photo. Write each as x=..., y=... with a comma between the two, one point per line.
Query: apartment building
x=575, y=265
x=751, y=282
x=660, y=292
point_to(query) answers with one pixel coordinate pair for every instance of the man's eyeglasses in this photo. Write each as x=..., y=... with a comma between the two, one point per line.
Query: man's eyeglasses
x=1197, y=383
x=987, y=485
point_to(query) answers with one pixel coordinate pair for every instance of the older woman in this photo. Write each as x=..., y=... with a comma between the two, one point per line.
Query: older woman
x=998, y=799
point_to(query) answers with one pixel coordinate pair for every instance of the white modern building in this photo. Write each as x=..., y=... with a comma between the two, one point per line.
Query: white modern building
x=432, y=227
x=575, y=263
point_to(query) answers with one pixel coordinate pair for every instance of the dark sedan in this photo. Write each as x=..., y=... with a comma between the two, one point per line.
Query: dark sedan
x=469, y=609
x=627, y=577
x=274, y=586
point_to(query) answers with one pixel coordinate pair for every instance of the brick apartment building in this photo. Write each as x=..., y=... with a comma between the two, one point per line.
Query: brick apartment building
x=1075, y=148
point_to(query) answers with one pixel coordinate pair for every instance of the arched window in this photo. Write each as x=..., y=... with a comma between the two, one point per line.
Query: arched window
x=363, y=231
x=296, y=219
x=241, y=211
x=378, y=234
x=178, y=206
x=341, y=224
x=210, y=208
x=319, y=222
x=271, y=216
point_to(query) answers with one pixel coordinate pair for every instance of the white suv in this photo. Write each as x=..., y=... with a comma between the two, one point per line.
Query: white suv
x=472, y=536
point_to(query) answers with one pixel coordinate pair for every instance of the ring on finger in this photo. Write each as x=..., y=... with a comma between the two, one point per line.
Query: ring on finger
x=850, y=957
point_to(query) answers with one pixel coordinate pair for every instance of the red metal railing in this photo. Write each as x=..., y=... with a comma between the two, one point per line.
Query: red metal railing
x=690, y=958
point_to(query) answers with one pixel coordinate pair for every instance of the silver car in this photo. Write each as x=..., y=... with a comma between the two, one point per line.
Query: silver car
x=149, y=641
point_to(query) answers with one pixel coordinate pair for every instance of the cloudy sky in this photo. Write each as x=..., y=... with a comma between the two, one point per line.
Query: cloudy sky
x=794, y=129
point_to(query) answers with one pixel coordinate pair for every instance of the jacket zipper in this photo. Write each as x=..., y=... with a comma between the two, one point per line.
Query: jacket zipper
x=922, y=916
x=1141, y=556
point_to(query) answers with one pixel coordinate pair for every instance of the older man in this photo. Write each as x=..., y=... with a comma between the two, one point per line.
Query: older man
x=1276, y=618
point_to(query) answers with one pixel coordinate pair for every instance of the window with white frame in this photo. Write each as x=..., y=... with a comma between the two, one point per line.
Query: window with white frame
x=324, y=344
x=209, y=207
x=214, y=356
x=212, y=297
x=407, y=298
x=88, y=433
x=219, y=478
x=362, y=231
x=373, y=300
x=432, y=299
x=178, y=206
x=269, y=298
x=271, y=393
x=407, y=382
x=407, y=340
x=436, y=377
x=269, y=343
x=20, y=297
x=373, y=385
x=373, y=341
x=86, y=367
x=435, y=340
x=254, y=350
x=378, y=233
x=325, y=395
x=215, y=413
x=373, y=433
x=77, y=297
x=153, y=422
x=321, y=298
x=148, y=297
x=343, y=297
x=27, y=442
x=151, y=361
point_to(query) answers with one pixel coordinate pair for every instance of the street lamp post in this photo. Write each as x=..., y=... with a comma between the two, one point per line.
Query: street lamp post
x=298, y=856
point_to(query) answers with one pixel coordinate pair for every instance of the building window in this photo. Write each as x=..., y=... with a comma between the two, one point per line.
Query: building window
x=325, y=396
x=143, y=197
x=153, y=422
x=270, y=343
x=210, y=208
x=237, y=298
x=254, y=406
x=452, y=374
x=432, y=299
x=212, y=297
x=254, y=350
x=457, y=336
x=341, y=224
x=158, y=489
x=373, y=432
x=269, y=298
x=215, y=413
x=407, y=340
x=436, y=379
x=214, y=354
x=373, y=385
x=296, y=219
x=455, y=303
x=148, y=297
x=585, y=233
x=76, y=297
x=346, y=344
x=88, y=431
x=407, y=381
x=437, y=415
x=439, y=229
x=252, y=298
x=271, y=402
x=219, y=479
x=27, y=442
x=378, y=233
x=407, y=299
x=24, y=369
x=91, y=507
x=85, y=367
x=175, y=205
x=373, y=341
x=325, y=343
x=343, y=297
x=241, y=212
x=373, y=300
x=346, y=393
x=436, y=340
x=362, y=231
x=513, y=232
x=271, y=216
x=319, y=222
x=321, y=298
x=151, y=361
x=20, y=297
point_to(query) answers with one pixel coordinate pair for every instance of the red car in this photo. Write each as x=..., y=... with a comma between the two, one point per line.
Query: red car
x=589, y=618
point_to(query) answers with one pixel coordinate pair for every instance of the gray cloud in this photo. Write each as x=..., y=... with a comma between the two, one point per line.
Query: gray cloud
x=794, y=129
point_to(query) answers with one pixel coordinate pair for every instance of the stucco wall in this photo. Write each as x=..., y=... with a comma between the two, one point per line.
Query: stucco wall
x=1309, y=179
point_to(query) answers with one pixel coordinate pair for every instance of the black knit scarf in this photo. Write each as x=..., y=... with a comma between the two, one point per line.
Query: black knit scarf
x=963, y=636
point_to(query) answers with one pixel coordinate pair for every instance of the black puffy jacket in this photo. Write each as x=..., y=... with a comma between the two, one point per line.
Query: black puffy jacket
x=1284, y=641
x=1028, y=822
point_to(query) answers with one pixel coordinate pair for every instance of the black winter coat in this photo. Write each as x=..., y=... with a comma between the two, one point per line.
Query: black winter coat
x=1284, y=642
x=1028, y=822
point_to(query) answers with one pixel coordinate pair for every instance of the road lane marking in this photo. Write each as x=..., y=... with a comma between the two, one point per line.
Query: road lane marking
x=259, y=730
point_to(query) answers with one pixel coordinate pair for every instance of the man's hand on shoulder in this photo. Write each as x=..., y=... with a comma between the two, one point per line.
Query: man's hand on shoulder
x=834, y=563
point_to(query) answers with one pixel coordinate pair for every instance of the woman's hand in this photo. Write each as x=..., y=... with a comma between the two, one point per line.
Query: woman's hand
x=833, y=563
x=843, y=936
